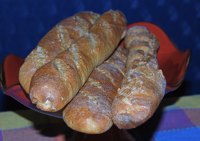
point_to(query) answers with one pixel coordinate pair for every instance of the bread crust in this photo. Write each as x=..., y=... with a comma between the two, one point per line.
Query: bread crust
x=68, y=71
x=58, y=39
x=90, y=111
x=143, y=86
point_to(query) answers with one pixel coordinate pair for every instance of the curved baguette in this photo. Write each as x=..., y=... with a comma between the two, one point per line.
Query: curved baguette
x=56, y=83
x=54, y=42
x=90, y=110
x=143, y=86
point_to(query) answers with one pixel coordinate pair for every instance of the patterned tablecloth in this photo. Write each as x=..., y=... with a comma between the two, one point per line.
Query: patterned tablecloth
x=177, y=119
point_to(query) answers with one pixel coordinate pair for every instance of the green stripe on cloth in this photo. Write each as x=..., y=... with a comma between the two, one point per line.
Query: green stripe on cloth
x=24, y=118
x=186, y=102
x=10, y=120
x=189, y=102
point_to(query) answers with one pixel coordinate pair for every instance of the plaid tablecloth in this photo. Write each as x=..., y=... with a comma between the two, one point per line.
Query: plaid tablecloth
x=177, y=119
x=180, y=121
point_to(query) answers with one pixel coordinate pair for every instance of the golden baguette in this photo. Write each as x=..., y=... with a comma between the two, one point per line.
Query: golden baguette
x=143, y=85
x=57, y=82
x=90, y=111
x=54, y=42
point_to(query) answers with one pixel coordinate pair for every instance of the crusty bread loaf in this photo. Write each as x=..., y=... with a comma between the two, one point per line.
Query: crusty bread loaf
x=55, y=41
x=143, y=85
x=57, y=82
x=90, y=110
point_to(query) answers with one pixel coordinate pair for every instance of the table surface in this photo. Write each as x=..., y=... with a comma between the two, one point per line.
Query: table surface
x=177, y=118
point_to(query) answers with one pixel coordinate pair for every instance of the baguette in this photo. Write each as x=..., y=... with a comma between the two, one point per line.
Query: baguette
x=57, y=82
x=143, y=85
x=90, y=111
x=54, y=42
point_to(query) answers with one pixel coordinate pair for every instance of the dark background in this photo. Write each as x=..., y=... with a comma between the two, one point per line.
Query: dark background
x=24, y=22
